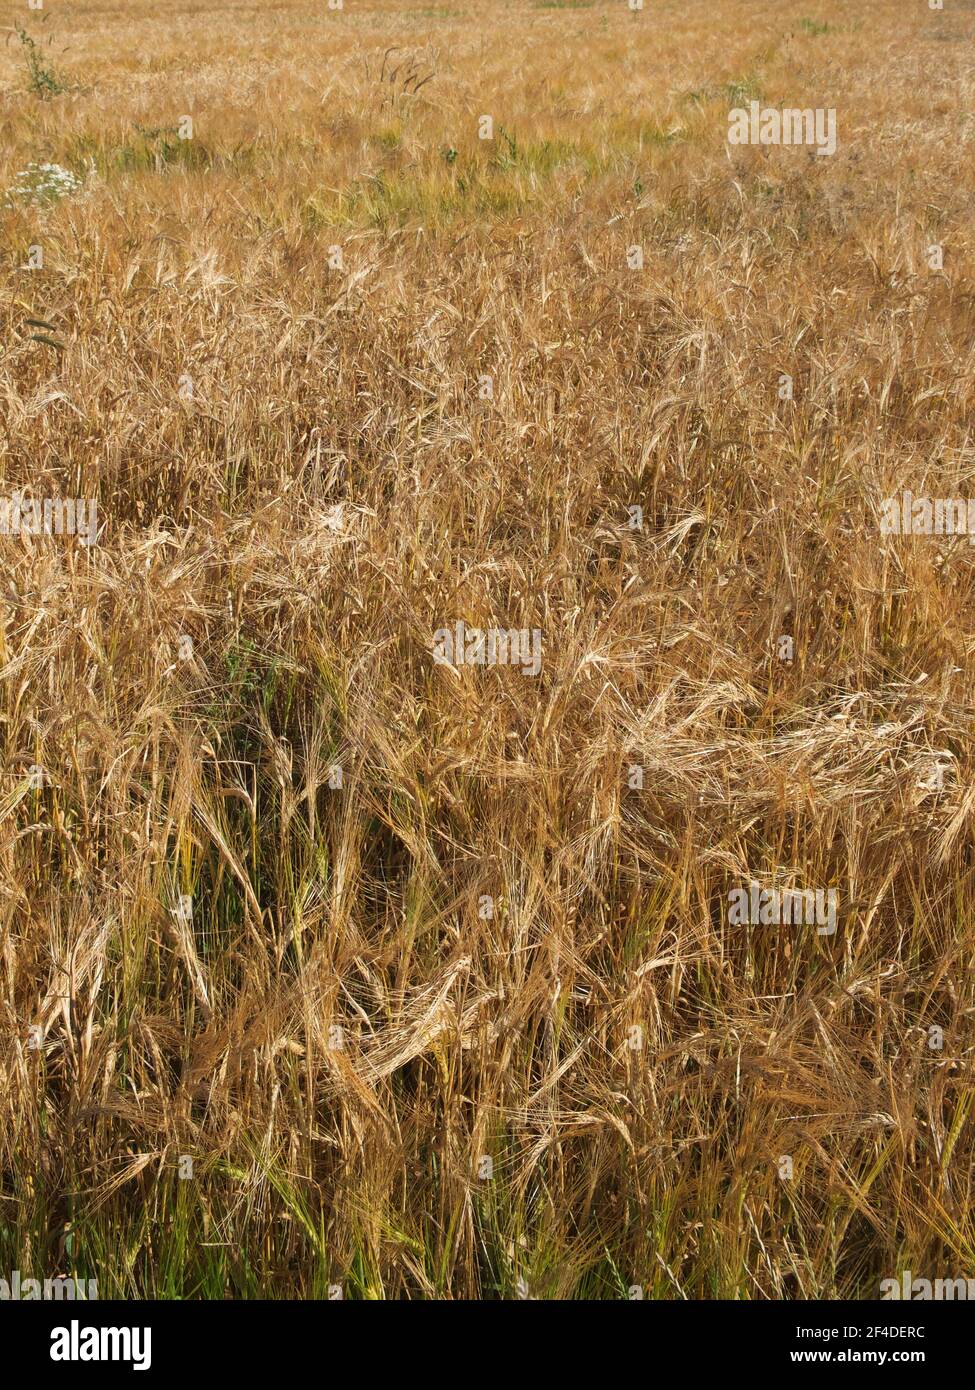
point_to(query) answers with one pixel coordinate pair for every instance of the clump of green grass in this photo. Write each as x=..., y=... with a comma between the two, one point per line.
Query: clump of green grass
x=149, y=149
x=163, y=146
x=737, y=92
x=42, y=80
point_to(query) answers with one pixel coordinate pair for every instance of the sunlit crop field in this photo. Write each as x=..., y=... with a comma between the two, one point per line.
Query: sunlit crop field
x=338, y=956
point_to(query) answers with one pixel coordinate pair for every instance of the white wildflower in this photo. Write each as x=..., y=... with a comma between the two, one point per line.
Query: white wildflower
x=43, y=183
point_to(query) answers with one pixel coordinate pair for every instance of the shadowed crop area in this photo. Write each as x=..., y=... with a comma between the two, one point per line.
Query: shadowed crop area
x=487, y=721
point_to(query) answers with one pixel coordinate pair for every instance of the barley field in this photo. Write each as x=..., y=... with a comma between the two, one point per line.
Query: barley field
x=337, y=962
